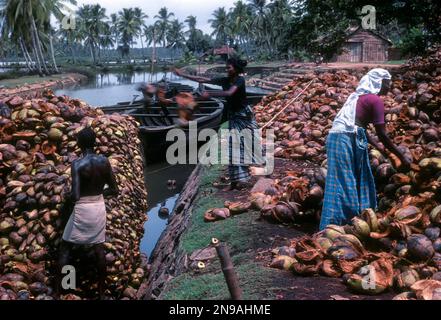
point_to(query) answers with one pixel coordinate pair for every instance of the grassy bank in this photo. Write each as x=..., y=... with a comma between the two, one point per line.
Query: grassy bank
x=250, y=241
x=237, y=233
x=30, y=79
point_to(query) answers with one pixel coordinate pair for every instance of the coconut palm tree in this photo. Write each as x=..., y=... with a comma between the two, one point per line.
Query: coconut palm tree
x=241, y=21
x=151, y=34
x=281, y=12
x=261, y=23
x=53, y=8
x=140, y=19
x=106, y=37
x=19, y=25
x=175, y=36
x=114, y=28
x=192, y=33
x=220, y=25
x=129, y=26
x=72, y=38
x=163, y=24
x=92, y=19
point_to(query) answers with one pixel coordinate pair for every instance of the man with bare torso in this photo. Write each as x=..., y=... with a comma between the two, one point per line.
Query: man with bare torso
x=87, y=223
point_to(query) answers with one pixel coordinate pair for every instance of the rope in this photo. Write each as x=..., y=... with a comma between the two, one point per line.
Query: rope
x=287, y=105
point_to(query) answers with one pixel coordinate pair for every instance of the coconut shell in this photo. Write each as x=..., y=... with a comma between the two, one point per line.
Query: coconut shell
x=361, y=228
x=283, y=262
x=406, y=279
x=420, y=247
x=437, y=245
x=405, y=296
x=435, y=215
x=432, y=233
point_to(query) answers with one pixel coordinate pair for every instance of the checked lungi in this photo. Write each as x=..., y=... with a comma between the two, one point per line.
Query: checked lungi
x=248, y=151
x=350, y=185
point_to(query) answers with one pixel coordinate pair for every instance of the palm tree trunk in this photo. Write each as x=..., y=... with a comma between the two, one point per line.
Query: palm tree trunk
x=53, y=54
x=72, y=51
x=39, y=69
x=142, y=50
x=153, y=59
x=99, y=53
x=28, y=64
x=37, y=58
x=31, y=61
x=38, y=46
x=92, y=52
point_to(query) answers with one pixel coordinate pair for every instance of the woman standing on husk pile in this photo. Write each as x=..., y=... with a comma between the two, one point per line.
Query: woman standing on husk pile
x=350, y=186
x=240, y=117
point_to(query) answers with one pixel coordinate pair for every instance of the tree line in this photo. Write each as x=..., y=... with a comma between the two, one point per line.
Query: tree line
x=276, y=29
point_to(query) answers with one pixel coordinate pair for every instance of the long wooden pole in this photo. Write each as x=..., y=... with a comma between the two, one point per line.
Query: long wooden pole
x=287, y=105
x=228, y=270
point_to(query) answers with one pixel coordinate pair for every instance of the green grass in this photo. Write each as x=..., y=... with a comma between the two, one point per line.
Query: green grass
x=254, y=280
x=395, y=62
x=238, y=232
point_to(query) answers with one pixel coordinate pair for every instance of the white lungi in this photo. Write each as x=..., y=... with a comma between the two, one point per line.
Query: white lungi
x=87, y=223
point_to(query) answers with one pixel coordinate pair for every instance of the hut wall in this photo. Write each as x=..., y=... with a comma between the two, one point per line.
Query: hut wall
x=364, y=46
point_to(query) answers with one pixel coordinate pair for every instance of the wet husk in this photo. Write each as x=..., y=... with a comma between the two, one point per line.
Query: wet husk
x=37, y=147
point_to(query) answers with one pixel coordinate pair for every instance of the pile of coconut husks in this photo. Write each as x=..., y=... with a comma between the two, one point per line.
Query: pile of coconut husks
x=37, y=147
x=399, y=246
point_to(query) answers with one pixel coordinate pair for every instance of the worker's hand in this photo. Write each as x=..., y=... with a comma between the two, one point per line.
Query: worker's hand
x=401, y=165
x=178, y=71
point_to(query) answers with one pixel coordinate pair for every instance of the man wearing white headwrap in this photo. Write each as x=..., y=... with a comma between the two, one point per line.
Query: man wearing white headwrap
x=350, y=185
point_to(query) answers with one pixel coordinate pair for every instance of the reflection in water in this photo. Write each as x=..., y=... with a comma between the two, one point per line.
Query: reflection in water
x=111, y=88
x=161, y=195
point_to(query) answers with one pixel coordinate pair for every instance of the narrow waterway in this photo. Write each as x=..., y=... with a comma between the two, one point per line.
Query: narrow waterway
x=110, y=88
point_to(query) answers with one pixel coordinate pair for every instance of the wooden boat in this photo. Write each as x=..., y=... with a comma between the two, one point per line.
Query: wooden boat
x=154, y=124
x=172, y=89
x=252, y=99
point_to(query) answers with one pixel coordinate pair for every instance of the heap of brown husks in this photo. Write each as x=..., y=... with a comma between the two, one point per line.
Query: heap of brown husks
x=400, y=244
x=37, y=147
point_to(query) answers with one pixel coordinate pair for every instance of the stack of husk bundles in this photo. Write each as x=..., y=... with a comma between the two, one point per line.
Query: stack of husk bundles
x=402, y=240
x=37, y=147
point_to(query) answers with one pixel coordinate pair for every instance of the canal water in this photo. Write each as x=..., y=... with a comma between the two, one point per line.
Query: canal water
x=109, y=89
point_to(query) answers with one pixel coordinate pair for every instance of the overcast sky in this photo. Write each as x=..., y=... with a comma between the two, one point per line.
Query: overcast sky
x=202, y=9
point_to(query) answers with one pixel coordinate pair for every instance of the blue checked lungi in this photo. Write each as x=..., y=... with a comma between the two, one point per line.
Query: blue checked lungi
x=239, y=169
x=350, y=185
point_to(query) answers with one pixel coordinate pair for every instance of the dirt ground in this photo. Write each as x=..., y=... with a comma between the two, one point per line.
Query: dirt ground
x=250, y=240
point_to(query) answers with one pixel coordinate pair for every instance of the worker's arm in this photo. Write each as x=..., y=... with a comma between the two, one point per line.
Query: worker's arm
x=376, y=145
x=112, y=189
x=387, y=142
x=199, y=79
x=75, y=194
x=227, y=93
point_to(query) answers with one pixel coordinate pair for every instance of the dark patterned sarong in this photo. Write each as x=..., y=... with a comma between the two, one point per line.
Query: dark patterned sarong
x=248, y=151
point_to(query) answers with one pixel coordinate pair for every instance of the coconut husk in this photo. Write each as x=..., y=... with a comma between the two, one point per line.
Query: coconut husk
x=36, y=162
x=283, y=262
x=426, y=289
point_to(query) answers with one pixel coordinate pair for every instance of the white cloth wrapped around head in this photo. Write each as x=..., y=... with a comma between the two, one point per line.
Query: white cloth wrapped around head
x=372, y=81
x=370, y=84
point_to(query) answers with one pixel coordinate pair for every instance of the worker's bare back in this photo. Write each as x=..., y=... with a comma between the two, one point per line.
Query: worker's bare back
x=90, y=174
